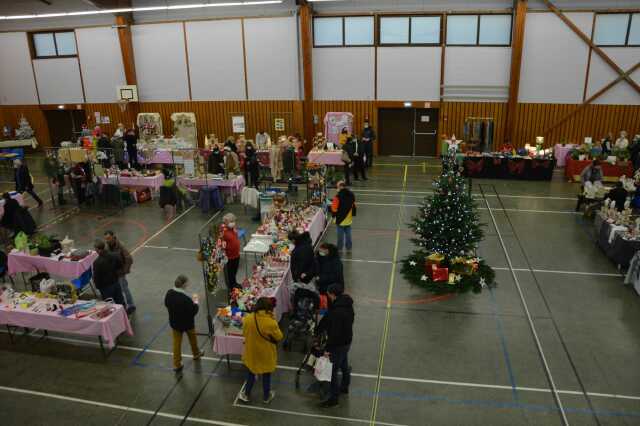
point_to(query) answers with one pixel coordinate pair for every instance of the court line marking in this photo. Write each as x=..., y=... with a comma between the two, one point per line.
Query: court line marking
x=387, y=319
x=360, y=375
x=169, y=248
x=571, y=212
x=534, y=332
x=319, y=416
x=115, y=406
x=534, y=197
x=164, y=228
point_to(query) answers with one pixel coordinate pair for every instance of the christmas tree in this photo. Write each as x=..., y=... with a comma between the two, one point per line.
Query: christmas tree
x=448, y=231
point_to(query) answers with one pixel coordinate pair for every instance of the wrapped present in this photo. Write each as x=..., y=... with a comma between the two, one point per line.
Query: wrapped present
x=454, y=278
x=439, y=274
x=433, y=259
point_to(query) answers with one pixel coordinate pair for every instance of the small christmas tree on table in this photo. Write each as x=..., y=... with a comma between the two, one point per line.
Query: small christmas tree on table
x=448, y=232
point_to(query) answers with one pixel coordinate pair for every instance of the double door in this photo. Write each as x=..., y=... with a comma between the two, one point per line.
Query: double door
x=408, y=131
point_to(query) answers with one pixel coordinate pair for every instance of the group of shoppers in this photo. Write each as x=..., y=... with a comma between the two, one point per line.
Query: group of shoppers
x=357, y=153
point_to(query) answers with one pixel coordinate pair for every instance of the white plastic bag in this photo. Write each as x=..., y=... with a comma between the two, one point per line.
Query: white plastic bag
x=323, y=369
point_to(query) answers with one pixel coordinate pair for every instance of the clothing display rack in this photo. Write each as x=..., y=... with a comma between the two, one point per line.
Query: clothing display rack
x=478, y=133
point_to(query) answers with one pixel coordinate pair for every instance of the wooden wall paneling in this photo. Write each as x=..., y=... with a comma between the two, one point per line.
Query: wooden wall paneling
x=12, y=113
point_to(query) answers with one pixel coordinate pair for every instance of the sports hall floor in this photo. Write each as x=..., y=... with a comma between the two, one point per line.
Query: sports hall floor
x=417, y=359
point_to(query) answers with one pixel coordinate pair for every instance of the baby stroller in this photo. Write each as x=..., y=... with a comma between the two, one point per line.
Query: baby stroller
x=309, y=361
x=303, y=321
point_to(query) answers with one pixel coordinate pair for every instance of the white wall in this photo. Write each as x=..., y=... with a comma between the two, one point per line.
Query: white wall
x=58, y=81
x=17, y=86
x=272, y=58
x=601, y=74
x=161, y=64
x=409, y=73
x=216, y=63
x=554, y=59
x=478, y=74
x=343, y=74
x=101, y=63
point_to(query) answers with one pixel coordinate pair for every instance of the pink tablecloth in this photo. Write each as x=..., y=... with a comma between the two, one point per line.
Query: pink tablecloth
x=20, y=262
x=560, y=152
x=234, y=185
x=232, y=345
x=154, y=182
x=328, y=158
x=108, y=328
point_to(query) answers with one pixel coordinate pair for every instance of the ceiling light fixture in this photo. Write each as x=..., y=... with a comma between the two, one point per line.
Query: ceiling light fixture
x=139, y=9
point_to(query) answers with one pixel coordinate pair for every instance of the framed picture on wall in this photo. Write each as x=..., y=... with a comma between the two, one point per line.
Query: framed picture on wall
x=237, y=123
x=278, y=124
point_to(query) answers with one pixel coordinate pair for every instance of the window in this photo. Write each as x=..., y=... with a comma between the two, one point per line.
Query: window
x=358, y=31
x=617, y=29
x=479, y=30
x=410, y=30
x=53, y=44
x=343, y=31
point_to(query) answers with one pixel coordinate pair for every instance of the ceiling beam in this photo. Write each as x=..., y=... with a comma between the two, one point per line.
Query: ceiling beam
x=306, y=41
x=109, y=4
x=593, y=46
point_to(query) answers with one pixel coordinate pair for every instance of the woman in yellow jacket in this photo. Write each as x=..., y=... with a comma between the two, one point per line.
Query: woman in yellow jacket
x=261, y=336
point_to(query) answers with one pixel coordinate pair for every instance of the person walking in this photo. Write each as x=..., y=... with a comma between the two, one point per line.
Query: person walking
x=117, y=249
x=338, y=325
x=131, y=140
x=358, y=159
x=232, y=249
x=182, y=310
x=105, y=274
x=368, y=137
x=302, y=259
x=328, y=267
x=347, y=160
x=251, y=166
x=23, y=180
x=343, y=208
x=261, y=336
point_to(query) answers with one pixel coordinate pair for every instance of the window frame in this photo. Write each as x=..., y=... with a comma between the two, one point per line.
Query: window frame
x=630, y=16
x=342, y=19
x=378, y=38
x=478, y=17
x=32, y=45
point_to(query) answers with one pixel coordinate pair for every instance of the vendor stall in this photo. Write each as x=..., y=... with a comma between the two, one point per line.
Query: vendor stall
x=154, y=182
x=508, y=167
x=233, y=185
x=616, y=235
x=58, y=265
x=610, y=172
x=561, y=151
x=15, y=143
x=270, y=278
x=328, y=158
x=105, y=321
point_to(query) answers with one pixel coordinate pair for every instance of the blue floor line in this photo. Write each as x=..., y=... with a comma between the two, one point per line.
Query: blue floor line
x=148, y=345
x=405, y=396
x=503, y=342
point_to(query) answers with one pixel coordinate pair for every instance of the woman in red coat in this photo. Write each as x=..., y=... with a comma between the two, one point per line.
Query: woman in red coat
x=232, y=249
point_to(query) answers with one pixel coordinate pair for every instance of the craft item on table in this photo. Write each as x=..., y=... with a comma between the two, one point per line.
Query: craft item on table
x=24, y=130
x=150, y=125
x=7, y=131
x=6, y=293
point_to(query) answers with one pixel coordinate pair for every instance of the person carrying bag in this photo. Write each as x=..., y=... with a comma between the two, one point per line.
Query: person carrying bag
x=261, y=336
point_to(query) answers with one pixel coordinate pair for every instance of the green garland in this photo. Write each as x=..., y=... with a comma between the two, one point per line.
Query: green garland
x=413, y=270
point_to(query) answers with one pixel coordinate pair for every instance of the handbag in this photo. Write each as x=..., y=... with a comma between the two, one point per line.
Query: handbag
x=323, y=369
x=269, y=339
x=345, y=157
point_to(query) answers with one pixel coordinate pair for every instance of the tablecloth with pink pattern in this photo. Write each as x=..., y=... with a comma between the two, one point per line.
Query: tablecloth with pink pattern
x=328, y=158
x=154, y=182
x=560, y=152
x=108, y=328
x=234, y=185
x=21, y=262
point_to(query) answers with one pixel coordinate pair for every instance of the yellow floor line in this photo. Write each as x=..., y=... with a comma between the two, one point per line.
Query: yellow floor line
x=387, y=319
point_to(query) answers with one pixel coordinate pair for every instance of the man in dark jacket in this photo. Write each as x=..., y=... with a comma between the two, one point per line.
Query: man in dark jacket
x=343, y=208
x=23, y=180
x=338, y=324
x=302, y=262
x=358, y=158
x=117, y=249
x=619, y=195
x=251, y=166
x=368, y=136
x=328, y=267
x=105, y=274
x=182, y=310
x=132, y=147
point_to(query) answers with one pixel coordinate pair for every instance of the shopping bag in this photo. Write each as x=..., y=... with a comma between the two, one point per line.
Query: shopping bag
x=323, y=369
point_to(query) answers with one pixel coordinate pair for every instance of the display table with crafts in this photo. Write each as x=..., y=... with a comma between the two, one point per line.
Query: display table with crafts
x=14, y=143
x=106, y=321
x=561, y=152
x=160, y=156
x=269, y=278
x=496, y=166
x=617, y=235
x=154, y=182
x=57, y=265
x=233, y=185
x=327, y=158
x=610, y=172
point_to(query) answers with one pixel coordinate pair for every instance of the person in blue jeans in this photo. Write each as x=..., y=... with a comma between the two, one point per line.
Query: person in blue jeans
x=343, y=208
x=338, y=325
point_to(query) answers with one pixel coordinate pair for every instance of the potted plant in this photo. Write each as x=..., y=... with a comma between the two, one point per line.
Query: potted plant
x=44, y=245
x=622, y=155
